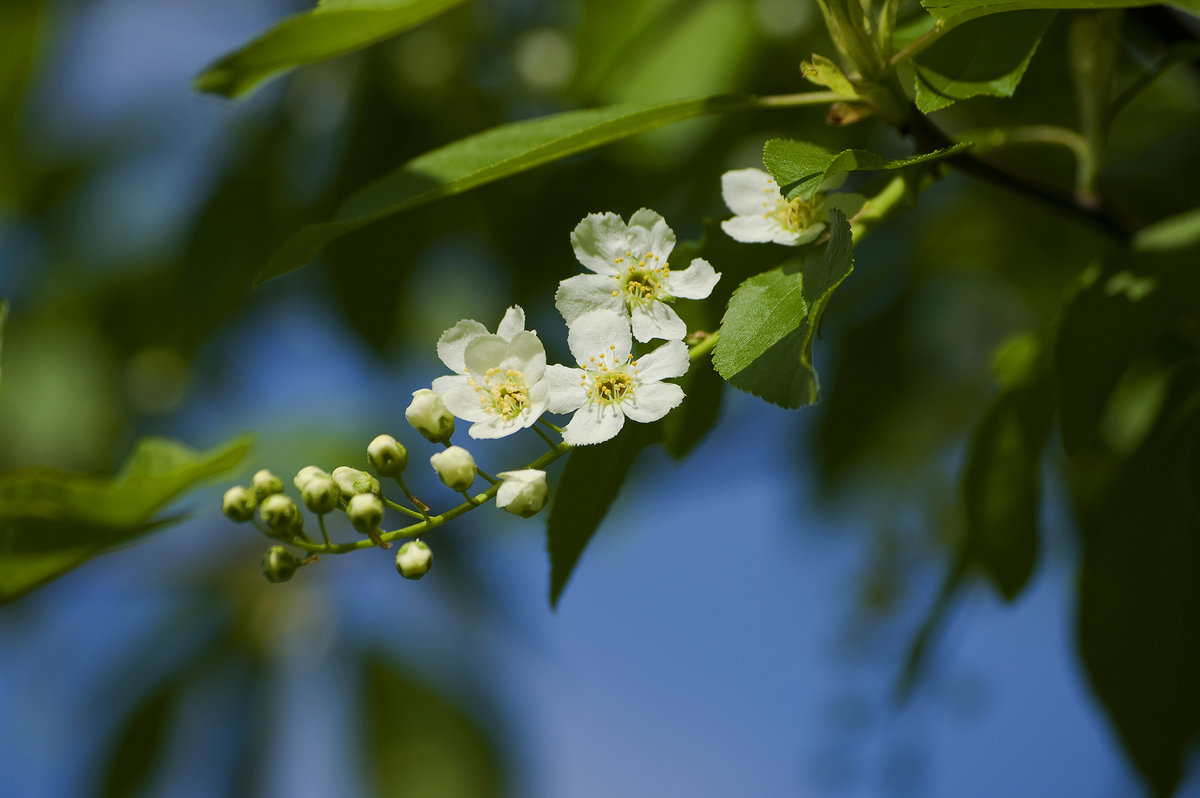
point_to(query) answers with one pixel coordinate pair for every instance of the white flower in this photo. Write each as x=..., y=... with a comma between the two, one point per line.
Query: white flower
x=631, y=274
x=351, y=482
x=455, y=467
x=763, y=214
x=610, y=385
x=522, y=492
x=497, y=382
x=428, y=415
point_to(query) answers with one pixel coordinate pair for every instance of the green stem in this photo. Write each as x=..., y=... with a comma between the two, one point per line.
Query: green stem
x=704, y=346
x=547, y=424
x=932, y=35
x=321, y=523
x=1080, y=147
x=401, y=508
x=879, y=207
x=795, y=100
x=549, y=441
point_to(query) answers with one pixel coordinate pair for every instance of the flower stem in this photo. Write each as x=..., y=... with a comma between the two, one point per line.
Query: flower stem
x=324, y=533
x=401, y=508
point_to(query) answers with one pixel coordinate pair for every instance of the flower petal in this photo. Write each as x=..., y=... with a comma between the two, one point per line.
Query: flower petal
x=527, y=355
x=565, y=393
x=485, y=352
x=586, y=292
x=756, y=230
x=657, y=320
x=599, y=240
x=594, y=423
x=453, y=343
x=652, y=401
x=464, y=402
x=512, y=323
x=599, y=332
x=495, y=426
x=750, y=192
x=651, y=234
x=669, y=360
x=695, y=282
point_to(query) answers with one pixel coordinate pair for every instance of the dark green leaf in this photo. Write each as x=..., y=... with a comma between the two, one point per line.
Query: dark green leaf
x=417, y=742
x=483, y=158
x=767, y=333
x=687, y=425
x=52, y=521
x=3, y=319
x=590, y=482
x=987, y=57
x=331, y=29
x=956, y=12
x=139, y=745
x=801, y=168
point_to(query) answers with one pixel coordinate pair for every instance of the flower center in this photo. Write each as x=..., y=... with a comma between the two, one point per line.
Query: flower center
x=642, y=279
x=795, y=215
x=610, y=381
x=503, y=392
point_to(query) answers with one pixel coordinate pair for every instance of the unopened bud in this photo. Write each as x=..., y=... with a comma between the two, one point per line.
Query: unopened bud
x=455, y=467
x=278, y=512
x=429, y=416
x=278, y=564
x=265, y=484
x=365, y=512
x=352, y=482
x=387, y=456
x=522, y=492
x=238, y=504
x=320, y=494
x=305, y=474
x=414, y=559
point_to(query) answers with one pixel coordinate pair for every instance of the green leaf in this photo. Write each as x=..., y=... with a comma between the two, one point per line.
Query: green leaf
x=768, y=328
x=687, y=425
x=988, y=57
x=590, y=482
x=483, y=158
x=955, y=12
x=418, y=742
x=139, y=744
x=52, y=521
x=331, y=29
x=801, y=168
x=3, y=319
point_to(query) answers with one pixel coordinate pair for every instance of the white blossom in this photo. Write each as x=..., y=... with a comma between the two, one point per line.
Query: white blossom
x=610, y=385
x=763, y=214
x=455, y=467
x=498, y=378
x=631, y=274
x=428, y=415
x=522, y=492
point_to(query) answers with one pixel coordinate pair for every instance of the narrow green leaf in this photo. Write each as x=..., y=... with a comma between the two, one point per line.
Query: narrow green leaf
x=590, y=482
x=52, y=521
x=769, y=324
x=483, y=158
x=801, y=168
x=687, y=425
x=139, y=745
x=331, y=29
x=956, y=12
x=3, y=319
x=984, y=58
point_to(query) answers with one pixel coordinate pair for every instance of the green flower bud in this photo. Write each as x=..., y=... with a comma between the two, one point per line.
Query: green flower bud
x=305, y=474
x=278, y=564
x=351, y=482
x=320, y=494
x=455, y=467
x=365, y=511
x=278, y=512
x=387, y=456
x=522, y=492
x=428, y=415
x=265, y=484
x=414, y=559
x=238, y=504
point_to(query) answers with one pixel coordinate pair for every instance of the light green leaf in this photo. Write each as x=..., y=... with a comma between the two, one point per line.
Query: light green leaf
x=769, y=324
x=484, y=158
x=988, y=57
x=333, y=28
x=824, y=72
x=956, y=12
x=52, y=521
x=590, y=482
x=801, y=168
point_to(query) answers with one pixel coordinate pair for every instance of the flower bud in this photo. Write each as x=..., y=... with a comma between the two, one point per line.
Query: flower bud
x=320, y=494
x=305, y=474
x=278, y=564
x=278, y=512
x=238, y=504
x=455, y=467
x=365, y=511
x=387, y=456
x=428, y=415
x=265, y=484
x=351, y=482
x=522, y=492
x=414, y=559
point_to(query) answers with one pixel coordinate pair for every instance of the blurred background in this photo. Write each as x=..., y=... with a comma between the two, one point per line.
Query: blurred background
x=740, y=622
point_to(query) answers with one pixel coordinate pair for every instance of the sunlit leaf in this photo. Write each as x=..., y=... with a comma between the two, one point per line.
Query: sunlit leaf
x=52, y=521
x=485, y=157
x=801, y=168
x=984, y=58
x=590, y=481
x=769, y=325
x=331, y=29
x=956, y=12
